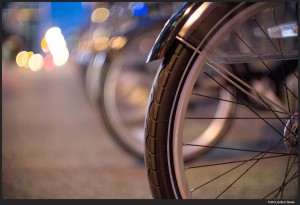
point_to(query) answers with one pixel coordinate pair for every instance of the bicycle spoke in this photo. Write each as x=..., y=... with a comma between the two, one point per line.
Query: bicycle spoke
x=295, y=175
x=194, y=189
x=279, y=50
x=232, y=85
x=234, y=102
x=286, y=90
x=235, y=118
x=275, y=20
x=235, y=149
x=264, y=100
x=250, y=109
x=280, y=188
x=213, y=66
x=237, y=161
x=295, y=75
x=218, y=69
x=238, y=178
x=277, y=117
x=244, y=162
x=263, y=62
x=287, y=171
x=283, y=70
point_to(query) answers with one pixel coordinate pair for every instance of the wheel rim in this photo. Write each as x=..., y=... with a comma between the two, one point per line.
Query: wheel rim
x=181, y=185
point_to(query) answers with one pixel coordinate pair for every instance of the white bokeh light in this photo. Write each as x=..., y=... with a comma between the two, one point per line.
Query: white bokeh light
x=61, y=57
x=36, y=62
x=57, y=46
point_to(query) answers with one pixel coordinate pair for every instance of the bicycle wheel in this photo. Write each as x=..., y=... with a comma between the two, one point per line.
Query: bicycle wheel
x=126, y=86
x=92, y=77
x=125, y=83
x=258, y=156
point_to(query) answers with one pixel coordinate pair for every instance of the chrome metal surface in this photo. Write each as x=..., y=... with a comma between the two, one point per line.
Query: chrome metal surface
x=171, y=29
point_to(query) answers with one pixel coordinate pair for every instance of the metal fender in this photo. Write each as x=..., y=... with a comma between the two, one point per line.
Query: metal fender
x=179, y=23
x=184, y=23
x=171, y=29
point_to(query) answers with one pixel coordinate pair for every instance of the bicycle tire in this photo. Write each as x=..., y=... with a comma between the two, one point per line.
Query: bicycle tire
x=121, y=133
x=173, y=76
x=116, y=126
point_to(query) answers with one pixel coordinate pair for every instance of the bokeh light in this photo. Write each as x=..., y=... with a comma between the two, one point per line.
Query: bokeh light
x=48, y=63
x=117, y=42
x=57, y=46
x=61, y=57
x=44, y=45
x=99, y=15
x=19, y=58
x=85, y=45
x=51, y=34
x=58, y=42
x=36, y=62
x=101, y=43
x=26, y=59
x=139, y=9
x=100, y=32
x=26, y=14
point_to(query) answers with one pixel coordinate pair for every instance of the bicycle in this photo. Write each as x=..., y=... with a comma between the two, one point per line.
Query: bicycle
x=224, y=43
x=118, y=81
x=124, y=86
x=124, y=83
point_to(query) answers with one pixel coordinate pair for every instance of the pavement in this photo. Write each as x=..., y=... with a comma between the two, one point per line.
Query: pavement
x=55, y=146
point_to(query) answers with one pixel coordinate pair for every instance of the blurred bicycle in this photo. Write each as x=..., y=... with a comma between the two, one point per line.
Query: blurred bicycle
x=114, y=74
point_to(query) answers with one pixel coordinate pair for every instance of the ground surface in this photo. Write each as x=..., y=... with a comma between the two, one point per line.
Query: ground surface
x=54, y=146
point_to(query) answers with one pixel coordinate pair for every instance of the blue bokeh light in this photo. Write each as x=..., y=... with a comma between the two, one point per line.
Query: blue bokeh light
x=139, y=9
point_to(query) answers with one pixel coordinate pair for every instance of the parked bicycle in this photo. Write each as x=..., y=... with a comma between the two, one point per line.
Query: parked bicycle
x=249, y=50
x=124, y=86
x=116, y=78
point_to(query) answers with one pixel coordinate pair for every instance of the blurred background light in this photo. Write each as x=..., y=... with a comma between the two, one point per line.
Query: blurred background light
x=101, y=43
x=48, y=63
x=51, y=34
x=117, y=42
x=99, y=15
x=36, y=62
x=44, y=45
x=139, y=9
x=57, y=46
x=26, y=59
x=100, y=32
x=85, y=45
x=26, y=14
x=61, y=57
x=19, y=58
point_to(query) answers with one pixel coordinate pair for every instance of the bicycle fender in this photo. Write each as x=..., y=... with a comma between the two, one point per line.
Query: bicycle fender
x=179, y=22
x=185, y=23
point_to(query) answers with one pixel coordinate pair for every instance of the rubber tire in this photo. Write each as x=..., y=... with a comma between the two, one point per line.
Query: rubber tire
x=158, y=116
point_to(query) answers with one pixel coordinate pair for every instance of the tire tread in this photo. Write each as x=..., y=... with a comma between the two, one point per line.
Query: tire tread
x=151, y=121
